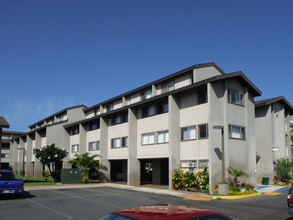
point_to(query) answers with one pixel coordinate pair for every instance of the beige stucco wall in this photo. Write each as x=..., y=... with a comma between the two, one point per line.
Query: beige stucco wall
x=205, y=73
x=264, y=143
x=90, y=113
x=117, y=131
x=92, y=136
x=148, y=125
x=272, y=141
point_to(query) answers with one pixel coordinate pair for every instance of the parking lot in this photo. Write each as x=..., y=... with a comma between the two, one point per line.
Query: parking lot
x=96, y=202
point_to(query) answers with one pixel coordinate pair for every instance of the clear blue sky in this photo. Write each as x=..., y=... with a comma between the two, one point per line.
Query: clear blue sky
x=58, y=53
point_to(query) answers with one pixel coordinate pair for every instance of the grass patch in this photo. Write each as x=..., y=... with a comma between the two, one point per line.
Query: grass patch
x=32, y=181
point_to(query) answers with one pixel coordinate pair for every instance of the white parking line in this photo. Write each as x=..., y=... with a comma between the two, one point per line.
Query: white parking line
x=53, y=210
x=89, y=200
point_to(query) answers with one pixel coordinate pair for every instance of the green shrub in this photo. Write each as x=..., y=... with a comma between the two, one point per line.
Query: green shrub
x=203, y=178
x=177, y=179
x=190, y=181
x=283, y=168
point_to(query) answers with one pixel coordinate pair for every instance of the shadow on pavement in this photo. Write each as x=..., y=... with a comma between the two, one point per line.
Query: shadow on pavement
x=25, y=195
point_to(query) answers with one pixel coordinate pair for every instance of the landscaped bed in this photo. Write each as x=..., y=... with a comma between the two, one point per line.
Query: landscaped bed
x=243, y=189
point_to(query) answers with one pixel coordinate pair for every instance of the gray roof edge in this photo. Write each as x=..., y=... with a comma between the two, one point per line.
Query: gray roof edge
x=65, y=109
x=197, y=66
x=265, y=102
x=256, y=91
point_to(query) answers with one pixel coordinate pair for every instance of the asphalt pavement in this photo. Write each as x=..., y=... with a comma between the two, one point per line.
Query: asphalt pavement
x=262, y=189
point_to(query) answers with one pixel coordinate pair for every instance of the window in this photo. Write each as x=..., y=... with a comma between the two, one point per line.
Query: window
x=148, y=138
x=202, y=95
x=34, y=151
x=162, y=107
x=93, y=125
x=203, y=131
x=235, y=97
x=146, y=94
x=98, y=111
x=188, y=133
x=75, y=148
x=162, y=137
x=41, y=124
x=110, y=107
x=148, y=110
x=118, y=118
x=119, y=142
x=61, y=117
x=42, y=133
x=191, y=80
x=203, y=163
x=155, y=109
x=74, y=130
x=115, y=143
x=5, y=146
x=124, y=142
x=94, y=146
x=6, y=135
x=236, y=132
x=5, y=155
x=168, y=87
x=50, y=121
x=32, y=136
x=128, y=100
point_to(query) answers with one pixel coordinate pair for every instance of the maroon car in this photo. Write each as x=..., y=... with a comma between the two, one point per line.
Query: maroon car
x=165, y=212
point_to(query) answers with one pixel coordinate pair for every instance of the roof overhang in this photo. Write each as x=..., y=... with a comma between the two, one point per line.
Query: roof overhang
x=3, y=123
x=281, y=99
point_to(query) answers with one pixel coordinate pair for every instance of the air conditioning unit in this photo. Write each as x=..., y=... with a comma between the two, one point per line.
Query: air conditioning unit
x=188, y=164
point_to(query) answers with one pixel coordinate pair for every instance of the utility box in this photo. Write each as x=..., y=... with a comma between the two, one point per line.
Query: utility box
x=265, y=181
x=70, y=176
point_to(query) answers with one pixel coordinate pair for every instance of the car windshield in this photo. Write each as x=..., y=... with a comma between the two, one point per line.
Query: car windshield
x=114, y=216
x=6, y=176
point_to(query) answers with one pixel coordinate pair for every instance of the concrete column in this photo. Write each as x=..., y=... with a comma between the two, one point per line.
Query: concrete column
x=226, y=129
x=217, y=105
x=14, y=154
x=154, y=90
x=29, y=153
x=133, y=166
x=250, y=139
x=105, y=163
x=174, y=135
x=66, y=145
x=194, y=76
x=82, y=139
x=38, y=165
x=288, y=137
x=21, y=167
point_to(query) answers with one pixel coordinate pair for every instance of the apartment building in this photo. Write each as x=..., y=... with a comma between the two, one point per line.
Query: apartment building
x=273, y=139
x=146, y=133
x=44, y=132
x=7, y=137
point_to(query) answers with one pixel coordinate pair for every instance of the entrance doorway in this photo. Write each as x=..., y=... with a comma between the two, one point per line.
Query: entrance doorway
x=154, y=171
x=118, y=170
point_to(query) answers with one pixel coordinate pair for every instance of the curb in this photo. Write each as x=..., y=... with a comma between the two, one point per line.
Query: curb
x=237, y=197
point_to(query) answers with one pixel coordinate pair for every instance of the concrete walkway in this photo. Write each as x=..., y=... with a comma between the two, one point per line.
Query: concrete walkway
x=262, y=189
x=271, y=188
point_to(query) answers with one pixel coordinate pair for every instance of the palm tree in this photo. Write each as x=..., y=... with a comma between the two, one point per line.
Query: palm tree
x=236, y=173
x=86, y=162
x=283, y=168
